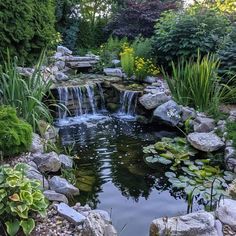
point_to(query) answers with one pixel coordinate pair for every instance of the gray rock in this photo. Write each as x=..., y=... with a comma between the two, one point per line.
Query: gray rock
x=203, y=125
x=206, y=142
x=151, y=101
x=47, y=162
x=94, y=225
x=231, y=164
x=62, y=186
x=113, y=72
x=168, y=112
x=66, y=161
x=226, y=212
x=54, y=196
x=60, y=65
x=115, y=62
x=150, y=79
x=197, y=224
x=230, y=152
x=64, y=50
x=60, y=76
x=188, y=113
x=219, y=228
x=70, y=214
x=33, y=173
x=229, y=143
x=104, y=214
x=37, y=145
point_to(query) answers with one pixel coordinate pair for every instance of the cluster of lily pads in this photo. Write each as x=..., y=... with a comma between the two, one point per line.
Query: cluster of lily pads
x=197, y=177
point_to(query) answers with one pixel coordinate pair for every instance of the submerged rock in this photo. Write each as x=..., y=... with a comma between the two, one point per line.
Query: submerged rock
x=169, y=113
x=206, y=142
x=197, y=224
x=152, y=101
x=62, y=186
x=226, y=212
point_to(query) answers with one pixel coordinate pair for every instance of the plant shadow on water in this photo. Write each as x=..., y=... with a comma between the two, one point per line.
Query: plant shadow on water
x=113, y=176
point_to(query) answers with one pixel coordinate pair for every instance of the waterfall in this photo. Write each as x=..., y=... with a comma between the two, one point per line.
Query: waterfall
x=128, y=100
x=80, y=100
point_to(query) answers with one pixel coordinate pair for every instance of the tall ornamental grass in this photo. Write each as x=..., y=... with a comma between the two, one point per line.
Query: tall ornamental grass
x=25, y=94
x=197, y=84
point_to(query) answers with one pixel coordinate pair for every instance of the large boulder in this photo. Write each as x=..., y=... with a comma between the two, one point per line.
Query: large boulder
x=51, y=195
x=47, y=162
x=197, y=224
x=169, y=112
x=226, y=212
x=66, y=161
x=206, y=142
x=152, y=101
x=61, y=185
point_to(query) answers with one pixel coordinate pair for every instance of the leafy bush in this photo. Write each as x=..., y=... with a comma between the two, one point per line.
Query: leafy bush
x=127, y=60
x=142, y=47
x=197, y=84
x=179, y=35
x=26, y=28
x=15, y=134
x=20, y=198
x=231, y=132
x=24, y=94
x=138, y=18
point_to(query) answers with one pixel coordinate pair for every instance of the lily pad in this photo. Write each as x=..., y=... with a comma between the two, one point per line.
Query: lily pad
x=170, y=174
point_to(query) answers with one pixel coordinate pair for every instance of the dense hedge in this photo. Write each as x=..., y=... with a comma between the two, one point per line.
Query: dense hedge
x=15, y=134
x=26, y=27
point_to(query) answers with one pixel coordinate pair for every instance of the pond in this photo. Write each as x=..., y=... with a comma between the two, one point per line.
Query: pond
x=112, y=175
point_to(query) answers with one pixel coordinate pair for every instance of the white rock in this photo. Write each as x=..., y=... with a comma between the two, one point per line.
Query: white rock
x=226, y=212
x=206, y=142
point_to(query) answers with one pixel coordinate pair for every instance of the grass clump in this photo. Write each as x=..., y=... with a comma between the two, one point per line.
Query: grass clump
x=231, y=132
x=15, y=134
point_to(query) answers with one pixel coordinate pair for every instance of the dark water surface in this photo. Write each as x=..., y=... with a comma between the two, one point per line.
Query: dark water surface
x=113, y=176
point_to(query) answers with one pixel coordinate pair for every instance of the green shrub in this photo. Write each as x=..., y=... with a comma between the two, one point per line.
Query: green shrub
x=26, y=27
x=25, y=94
x=197, y=84
x=20, y=198
x=179, y=35
x=127, y=60
x=15, y=134
x=142, y=47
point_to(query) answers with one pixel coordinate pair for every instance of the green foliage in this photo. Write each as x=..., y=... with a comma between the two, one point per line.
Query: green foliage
x=15, y=134
x=127, y=60
x=20, y=198
x=231, y=132
x=142, y=47
x=180, y=34
x=24, y=94
x=26, y=28
x=197, y=84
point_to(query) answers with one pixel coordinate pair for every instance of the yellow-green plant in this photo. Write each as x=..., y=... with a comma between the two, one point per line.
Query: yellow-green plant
x=144, y=67
x=20, y=197
x=127, y=60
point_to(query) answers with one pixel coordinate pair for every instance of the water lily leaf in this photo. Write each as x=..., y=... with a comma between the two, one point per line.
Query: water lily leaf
x=193, y=167
x=229, y=176
x=167, y=155
x=164, y=161
x=170, y=174
x=188, y=162
x=177, y=183
x=183, y=178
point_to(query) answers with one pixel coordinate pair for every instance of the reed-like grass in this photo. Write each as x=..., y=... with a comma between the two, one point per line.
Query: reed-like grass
x=197, y=84
x=25, y=94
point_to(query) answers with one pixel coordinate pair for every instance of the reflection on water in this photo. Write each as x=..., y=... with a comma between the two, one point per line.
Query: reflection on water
x=113, y=176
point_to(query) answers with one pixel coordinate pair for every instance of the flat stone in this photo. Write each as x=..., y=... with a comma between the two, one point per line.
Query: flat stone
x=226, y=212
x=37, y=145
x=47, y=162
x=169, y=112
x=206, y=142
x=204, y=124
x=150, y=79
x=61, y=185
x=66, y=161
x=197, y=224
x=113, y=72
x=152, y=101
x=70, y=214
x=54, y=196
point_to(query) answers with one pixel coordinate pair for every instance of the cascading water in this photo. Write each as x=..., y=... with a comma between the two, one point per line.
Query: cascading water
x=77, y=102
x=128, y=100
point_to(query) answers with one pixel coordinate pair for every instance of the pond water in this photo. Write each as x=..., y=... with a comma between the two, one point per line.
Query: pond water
x=113, y=176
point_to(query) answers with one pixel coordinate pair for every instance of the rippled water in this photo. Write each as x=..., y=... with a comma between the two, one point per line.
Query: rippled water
x=113, y=176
